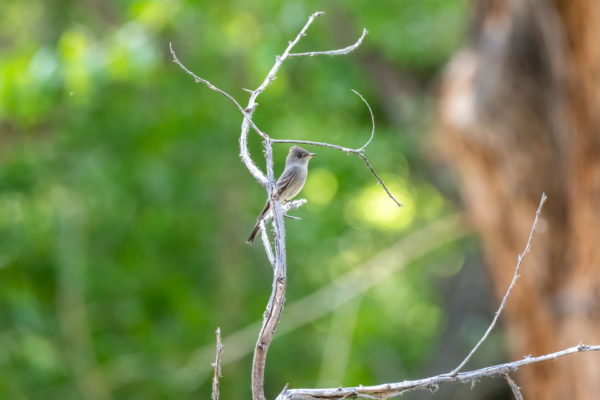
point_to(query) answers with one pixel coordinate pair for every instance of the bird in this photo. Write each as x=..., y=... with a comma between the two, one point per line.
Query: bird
x=289, y=184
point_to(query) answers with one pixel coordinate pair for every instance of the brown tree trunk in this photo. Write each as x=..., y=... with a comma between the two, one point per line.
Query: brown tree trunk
x=519, y=114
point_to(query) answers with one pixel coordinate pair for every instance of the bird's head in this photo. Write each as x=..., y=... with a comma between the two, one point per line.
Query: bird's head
x=298, y=155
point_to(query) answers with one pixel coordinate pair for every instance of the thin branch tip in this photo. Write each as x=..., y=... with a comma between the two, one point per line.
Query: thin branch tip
x=372, y=120
x=217, y=366
x=520, y=259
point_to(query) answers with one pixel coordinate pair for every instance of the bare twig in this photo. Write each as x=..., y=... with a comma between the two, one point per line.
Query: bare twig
x=510, y=287
x=337, y=52
x=206, y=82
x=389, y=390
x=217, y=366
x=372, y=120
x=390, y=195
x=254, y=170
x=513, y=386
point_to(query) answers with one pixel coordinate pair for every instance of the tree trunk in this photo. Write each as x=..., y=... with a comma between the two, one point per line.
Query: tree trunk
x=519, y=114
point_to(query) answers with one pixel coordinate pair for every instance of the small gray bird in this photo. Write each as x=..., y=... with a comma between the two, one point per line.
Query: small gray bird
x=290, y=182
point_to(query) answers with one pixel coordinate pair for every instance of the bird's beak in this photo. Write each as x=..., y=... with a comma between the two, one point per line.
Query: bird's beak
x=311, y=155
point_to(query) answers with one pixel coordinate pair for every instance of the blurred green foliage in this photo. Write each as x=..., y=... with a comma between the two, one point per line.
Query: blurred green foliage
x=124, y=206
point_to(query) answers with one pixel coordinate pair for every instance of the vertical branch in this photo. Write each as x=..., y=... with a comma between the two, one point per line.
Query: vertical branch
x=217, y=366
x=277, y=298
x=275, y=304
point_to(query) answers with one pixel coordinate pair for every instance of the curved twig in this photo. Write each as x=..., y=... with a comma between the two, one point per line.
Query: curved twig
x=372, y=120
x=359, y=151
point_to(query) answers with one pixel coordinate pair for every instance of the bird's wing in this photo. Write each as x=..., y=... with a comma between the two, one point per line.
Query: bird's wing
x=285, y=179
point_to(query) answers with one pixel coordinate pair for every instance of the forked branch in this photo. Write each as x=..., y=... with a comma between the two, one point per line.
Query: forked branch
x=277, y=254
x=248, y=111
x=389, y=390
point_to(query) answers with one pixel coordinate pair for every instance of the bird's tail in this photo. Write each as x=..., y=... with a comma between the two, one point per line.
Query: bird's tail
x=257, y=226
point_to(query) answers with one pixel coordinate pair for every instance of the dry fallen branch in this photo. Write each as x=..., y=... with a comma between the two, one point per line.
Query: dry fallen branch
x=388, y=390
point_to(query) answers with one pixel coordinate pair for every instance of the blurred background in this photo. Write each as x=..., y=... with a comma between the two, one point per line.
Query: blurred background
x=124, y=206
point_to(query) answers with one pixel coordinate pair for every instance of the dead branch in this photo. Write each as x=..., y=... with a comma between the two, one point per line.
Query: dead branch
x=510, y=287
x=389, y=390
